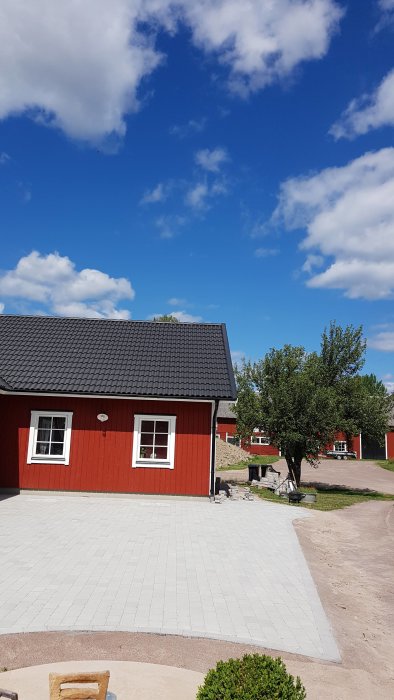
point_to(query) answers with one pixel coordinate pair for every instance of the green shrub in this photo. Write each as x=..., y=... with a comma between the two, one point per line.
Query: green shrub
x=253, y=677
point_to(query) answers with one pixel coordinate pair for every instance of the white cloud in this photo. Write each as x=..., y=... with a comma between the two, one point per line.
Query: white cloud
x=169, y=225
x=388, y=381
x=382, y=341
x=4, y=158
x=2, y=307
x=387, y=14
x=78, y=66
x=386, y=5
x=265, y=252
x=311, y=262
x=175, y=301
x=199, y=195
x=370, y=111
x=184, y=317
x=237, y=356
x=211, y=160
x=196, y=197
x=53, y=281
x=181, y=316
x=158, y=194
x=262, y=41
x=348, y=213
x=193, y=126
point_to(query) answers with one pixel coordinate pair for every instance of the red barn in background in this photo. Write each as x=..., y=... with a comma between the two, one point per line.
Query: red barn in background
x=259, y=444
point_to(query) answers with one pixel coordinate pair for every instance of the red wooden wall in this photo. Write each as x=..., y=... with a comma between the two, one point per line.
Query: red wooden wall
x=353, y=445
x=101, y=454
x=226, y=425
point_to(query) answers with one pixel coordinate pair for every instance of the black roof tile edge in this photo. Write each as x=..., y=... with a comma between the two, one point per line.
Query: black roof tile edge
x=229, y=363
x=5, y=385
x=98, y=394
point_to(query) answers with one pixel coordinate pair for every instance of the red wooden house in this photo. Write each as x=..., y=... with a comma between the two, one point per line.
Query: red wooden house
x=111, y=406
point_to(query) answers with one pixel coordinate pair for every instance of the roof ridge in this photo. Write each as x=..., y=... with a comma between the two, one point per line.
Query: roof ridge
x=124, y=320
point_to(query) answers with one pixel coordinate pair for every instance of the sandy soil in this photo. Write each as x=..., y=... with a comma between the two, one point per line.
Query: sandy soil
x=350, y=553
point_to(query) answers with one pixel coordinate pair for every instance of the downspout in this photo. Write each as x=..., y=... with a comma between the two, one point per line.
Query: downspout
x=213, y=448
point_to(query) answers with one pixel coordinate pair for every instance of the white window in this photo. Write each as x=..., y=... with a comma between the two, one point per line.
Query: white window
x=49, y=438
x=154, y=441
x=260, y=440
x=232, y=439
x=340, y=446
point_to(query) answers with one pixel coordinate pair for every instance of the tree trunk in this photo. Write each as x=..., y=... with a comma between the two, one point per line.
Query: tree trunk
x=297, y=472
x=294, y=467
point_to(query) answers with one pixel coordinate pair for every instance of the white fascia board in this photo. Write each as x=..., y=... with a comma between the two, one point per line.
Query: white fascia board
x=102, y=396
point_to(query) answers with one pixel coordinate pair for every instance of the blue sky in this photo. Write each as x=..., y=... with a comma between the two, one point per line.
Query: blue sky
x=219, y=160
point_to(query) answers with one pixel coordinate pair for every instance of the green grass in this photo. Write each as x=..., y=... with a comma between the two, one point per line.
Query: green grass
x=386, y=464
x=328, y=497
x=257, y=459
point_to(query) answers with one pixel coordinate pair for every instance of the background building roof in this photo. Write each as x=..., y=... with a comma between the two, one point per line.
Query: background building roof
x=225, y=410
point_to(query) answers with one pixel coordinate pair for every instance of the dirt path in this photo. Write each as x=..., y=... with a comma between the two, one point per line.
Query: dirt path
x=350, y=553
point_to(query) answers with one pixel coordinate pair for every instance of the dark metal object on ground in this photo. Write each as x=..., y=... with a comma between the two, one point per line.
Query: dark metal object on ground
x=295, y=497
x=254, y=472
x=8, y=694
x=221, y=486
x=298, y=497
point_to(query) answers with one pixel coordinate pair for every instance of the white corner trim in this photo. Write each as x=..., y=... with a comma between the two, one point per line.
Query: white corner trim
x=50, y=459
x=139, y=462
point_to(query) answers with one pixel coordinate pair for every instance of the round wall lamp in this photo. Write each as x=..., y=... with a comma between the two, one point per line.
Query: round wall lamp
x=102, y=417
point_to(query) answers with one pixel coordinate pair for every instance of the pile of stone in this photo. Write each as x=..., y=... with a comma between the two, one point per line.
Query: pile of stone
x=235, y=494
x=227, y=454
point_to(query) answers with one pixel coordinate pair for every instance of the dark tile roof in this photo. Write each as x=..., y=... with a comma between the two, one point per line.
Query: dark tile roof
x=118, y=358
x=225, y=410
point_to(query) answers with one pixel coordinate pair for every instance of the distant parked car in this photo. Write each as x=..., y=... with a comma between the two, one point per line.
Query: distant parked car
x=334, y=454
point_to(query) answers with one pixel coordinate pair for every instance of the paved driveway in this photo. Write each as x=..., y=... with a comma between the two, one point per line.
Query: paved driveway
x=231, y=571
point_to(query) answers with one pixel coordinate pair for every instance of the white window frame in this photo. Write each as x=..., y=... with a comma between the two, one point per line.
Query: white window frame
x=32, y=458
x=137, y=461
x=260, y=440
x=340, y=442
x=230, y=437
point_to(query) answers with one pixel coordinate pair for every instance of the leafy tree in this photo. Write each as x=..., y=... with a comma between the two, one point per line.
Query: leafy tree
x=302, y=399
x=166, y=318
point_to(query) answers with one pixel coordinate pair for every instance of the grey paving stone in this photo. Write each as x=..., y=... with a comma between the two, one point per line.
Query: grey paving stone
x=234, y=571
